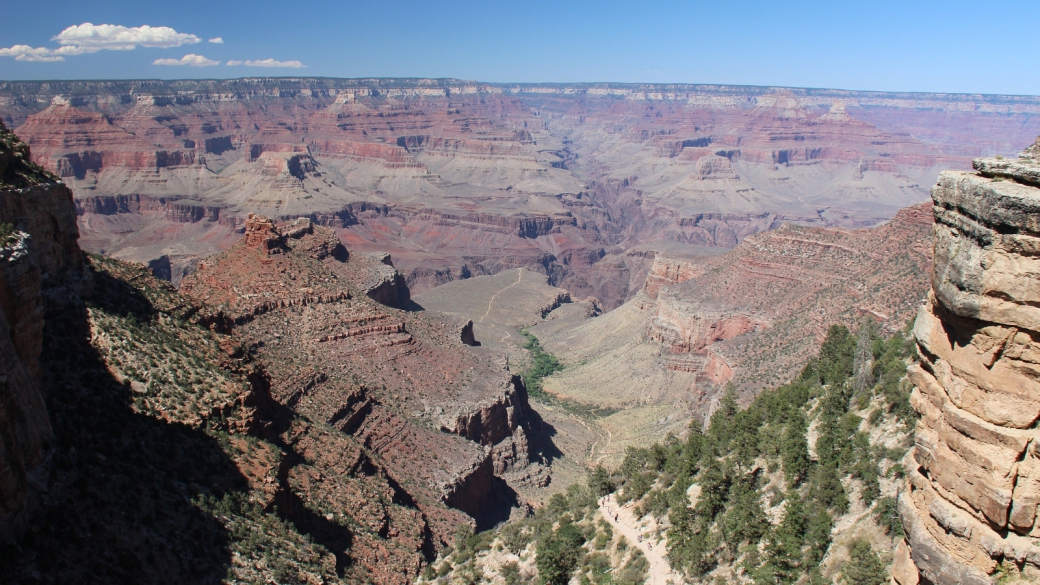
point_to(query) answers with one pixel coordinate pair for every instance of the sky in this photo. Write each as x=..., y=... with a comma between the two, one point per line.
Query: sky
x=910, y=45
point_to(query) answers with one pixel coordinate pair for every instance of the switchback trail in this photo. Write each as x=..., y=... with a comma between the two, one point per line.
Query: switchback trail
x=519, y=277
x=660, y=572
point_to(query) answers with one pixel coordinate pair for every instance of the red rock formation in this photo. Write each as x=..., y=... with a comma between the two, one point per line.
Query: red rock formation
x=756, y=313
x=261, y=235
x=666, y=271
x=381, y=375
x=470, y=183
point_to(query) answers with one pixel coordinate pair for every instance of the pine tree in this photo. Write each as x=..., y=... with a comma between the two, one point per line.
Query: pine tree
x=825, y=487
x=817, y=534
x=744, y=521
x=720, y=430
x=784, y=549
x=714, y=484
x=558, y=553
x=794, y=451
x=600, y=482
x=864, y=566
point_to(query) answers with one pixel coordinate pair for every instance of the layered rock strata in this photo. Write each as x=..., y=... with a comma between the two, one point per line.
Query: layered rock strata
x=458, y=178
x=323, y=322
x=752, y=317
x=969, y=506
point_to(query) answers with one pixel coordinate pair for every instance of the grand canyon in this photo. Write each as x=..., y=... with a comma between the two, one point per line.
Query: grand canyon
x=326, y=330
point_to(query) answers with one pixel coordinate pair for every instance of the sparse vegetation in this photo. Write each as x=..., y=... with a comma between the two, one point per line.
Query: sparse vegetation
x=164, y=470
x=8, y=234
x=765, y=497
x=563, y=540
x=730, y=461
x=544, y=364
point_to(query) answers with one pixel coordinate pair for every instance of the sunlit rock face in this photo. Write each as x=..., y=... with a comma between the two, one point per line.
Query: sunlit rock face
x=457, y=179
x=973, y=484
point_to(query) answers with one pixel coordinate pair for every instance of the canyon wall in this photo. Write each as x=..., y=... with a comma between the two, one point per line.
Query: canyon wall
x=457, y=179
x=39, y=257
x=969, y=506
x=751, y=317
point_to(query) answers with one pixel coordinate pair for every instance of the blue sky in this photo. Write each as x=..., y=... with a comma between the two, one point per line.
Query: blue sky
x=951, y=46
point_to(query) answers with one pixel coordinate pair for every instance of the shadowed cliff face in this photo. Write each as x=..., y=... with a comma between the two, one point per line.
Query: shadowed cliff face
x=970, y=501
x=39, y=258
x=182, y=456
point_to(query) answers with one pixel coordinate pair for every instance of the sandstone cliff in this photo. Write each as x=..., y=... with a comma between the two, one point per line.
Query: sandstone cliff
x=969, y=506
x=38, y=257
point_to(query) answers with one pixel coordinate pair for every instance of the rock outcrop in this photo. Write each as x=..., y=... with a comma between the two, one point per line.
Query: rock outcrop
x=39, y=256
x=969, y=506
x=410, y=387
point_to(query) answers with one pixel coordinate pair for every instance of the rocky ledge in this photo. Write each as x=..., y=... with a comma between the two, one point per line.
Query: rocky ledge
x=969, y=505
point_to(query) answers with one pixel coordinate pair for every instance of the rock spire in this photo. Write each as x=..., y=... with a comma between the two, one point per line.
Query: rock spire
x=969, y=505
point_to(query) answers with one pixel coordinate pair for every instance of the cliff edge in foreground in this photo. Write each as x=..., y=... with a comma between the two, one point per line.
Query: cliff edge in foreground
x=969, y=506
x=38, y=256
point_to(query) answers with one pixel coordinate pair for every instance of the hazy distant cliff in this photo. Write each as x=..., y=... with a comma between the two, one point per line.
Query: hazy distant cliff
x=461, y=178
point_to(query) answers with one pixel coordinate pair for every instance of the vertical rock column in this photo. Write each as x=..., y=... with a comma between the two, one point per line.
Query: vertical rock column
x=969, y=505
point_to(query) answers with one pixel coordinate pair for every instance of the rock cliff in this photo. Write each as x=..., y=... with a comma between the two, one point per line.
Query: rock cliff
x=39, y=257
x=275, y=423
x=969, y=505
x=458, y=179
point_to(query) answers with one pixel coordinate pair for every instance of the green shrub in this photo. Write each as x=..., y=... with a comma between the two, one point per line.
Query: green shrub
x=864, y=566
x=559, y=552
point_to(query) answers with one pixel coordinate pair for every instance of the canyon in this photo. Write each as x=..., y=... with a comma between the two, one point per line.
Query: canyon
x=459, y=178
x=308, y=304
x=748, y=318
x=276, y=419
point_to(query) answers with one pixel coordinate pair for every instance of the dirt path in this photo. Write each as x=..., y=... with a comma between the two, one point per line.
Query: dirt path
x=660, y=572
x=519, y=277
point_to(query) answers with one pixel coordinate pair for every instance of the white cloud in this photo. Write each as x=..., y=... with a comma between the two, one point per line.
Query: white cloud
x=40, y=54
x=120, y=38
x=191, y=60
x=89, y=38
x=217, y=41
x=267, y=63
